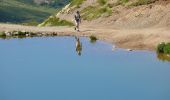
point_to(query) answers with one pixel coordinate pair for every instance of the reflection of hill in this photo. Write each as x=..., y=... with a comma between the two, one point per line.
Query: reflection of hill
x=164, y=57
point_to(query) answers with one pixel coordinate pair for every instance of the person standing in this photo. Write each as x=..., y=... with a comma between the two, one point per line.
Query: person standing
x=77, y=19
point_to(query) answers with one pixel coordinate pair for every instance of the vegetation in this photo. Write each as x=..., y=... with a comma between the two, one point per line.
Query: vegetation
x=93, y=39
x=164, y=48
x=92, y=12
x=55, y=3
x=163, y=57
x=2, y=34
x=23, y=11
x=142, y=2
x=54, y=21
x=76, y=3
x=30, y=23
x=123, y=1
x=133, y=3
x=102, y=2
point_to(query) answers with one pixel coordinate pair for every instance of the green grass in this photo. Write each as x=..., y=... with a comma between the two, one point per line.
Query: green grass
x=123, y=1
x=163, y=57
x=132, y=3
x=94, y=12
x=15, y=11
x=30, y=23
x=163, y=48
x=102, y=2
x=2, y=34
x=76, y=3
x=93, y=39
x=53, y=21
x=142, y=2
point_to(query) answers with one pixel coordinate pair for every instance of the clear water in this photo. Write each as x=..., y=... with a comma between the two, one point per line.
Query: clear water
x=51, y=69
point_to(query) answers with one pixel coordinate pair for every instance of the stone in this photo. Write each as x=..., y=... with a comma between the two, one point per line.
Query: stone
x=129, y=49
x=8, y=33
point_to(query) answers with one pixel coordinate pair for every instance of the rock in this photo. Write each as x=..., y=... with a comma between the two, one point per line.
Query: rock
x=39, y=34
x=129, y=49
x=44, y=34
x=54, y=34
x=27, y=35
x=23, y=31
x=113, y=48
x=8, y=33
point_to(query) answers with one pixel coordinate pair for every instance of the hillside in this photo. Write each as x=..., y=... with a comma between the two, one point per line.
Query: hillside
x=119, y=13
x=47, y=3
x=28, y=11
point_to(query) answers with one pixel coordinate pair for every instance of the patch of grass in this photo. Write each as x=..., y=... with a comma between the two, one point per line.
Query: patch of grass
x=91, y=12
x=30, y=23
x=93, y=39
x=76, y=3
x=142, y=2
x=163, y=57
x=102, y=2
x=163, y=48
x=2, y=34
x=54, y=21
x=16, y=11
x=20, y=33
x=121, y=2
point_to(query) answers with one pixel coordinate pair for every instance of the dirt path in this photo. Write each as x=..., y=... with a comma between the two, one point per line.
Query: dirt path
x=146, y=39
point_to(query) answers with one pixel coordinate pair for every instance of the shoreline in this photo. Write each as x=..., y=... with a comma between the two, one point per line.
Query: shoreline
x=135, y=39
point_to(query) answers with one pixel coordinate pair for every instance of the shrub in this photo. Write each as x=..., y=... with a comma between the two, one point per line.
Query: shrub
x=102, y=2
x=167, y=48
x=20, y=33
x=93, y=39
x=163, y=48
x=163, y=57
x=2, y=34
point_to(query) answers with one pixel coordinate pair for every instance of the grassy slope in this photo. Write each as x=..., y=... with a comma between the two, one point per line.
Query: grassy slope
x=15, y=11
x=102, y=8
x=53, y=21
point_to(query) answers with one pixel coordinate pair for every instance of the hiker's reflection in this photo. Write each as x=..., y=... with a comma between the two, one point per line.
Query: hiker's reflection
x=78, y=46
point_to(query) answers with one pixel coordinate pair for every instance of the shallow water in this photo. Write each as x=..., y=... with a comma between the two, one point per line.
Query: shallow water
x=51, y=69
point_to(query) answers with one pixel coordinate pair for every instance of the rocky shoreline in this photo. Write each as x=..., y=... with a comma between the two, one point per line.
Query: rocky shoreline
x=130, y=39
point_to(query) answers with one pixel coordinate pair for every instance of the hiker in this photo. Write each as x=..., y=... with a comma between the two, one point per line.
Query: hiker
x=77, y=19
x=78, y=46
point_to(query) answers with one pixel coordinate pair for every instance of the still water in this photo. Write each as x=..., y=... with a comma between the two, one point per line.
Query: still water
x=54, y=69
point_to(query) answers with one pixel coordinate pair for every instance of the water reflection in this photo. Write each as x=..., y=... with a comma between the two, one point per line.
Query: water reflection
x=92, y=39
x=78, y=46
x=163, y=57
